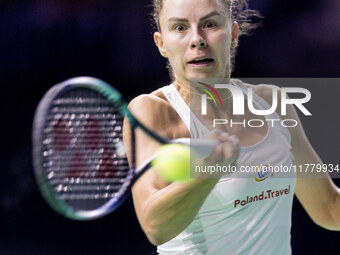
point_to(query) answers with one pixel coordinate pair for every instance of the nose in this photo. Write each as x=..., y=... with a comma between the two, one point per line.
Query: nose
x=198, y=40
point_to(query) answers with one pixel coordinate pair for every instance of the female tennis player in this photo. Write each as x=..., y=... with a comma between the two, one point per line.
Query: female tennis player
x=221, y=215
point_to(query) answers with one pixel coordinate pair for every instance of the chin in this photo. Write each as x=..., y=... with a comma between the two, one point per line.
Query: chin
x=202, y=75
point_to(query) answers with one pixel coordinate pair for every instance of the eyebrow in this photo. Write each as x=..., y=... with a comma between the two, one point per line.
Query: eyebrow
x=203, y=18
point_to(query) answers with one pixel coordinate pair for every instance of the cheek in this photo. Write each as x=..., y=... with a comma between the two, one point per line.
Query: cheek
x=175, y=49
x=223, y=39
x=222, y=44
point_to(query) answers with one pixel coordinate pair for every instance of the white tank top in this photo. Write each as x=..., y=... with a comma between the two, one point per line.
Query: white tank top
x=241, y=215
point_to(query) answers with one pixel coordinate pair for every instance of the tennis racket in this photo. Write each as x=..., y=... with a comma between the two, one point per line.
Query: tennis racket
x=79, y=157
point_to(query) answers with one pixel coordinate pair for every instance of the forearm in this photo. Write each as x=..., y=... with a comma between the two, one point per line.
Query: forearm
x=335, y=211
x=170, y=210
x=316, y=190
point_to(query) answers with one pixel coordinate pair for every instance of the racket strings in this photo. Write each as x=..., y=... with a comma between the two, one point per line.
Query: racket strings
x=80, y=152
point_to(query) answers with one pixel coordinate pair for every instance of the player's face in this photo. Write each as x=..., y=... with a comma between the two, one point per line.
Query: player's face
x=196, y=37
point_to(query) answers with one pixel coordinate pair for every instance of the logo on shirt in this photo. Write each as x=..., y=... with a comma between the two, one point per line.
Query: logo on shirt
x=263, y=172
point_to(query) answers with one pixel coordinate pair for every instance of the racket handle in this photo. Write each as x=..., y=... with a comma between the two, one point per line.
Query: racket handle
x=203, y=147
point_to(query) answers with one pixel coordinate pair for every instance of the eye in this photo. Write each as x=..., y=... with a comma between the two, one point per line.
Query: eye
x=180, y=27
x=209, y=24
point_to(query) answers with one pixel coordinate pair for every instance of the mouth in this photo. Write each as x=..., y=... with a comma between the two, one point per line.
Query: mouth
x=201, y=61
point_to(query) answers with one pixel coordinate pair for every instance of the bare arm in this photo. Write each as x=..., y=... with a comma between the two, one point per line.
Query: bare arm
x=316, y=192
x=165, y=212
x=165, y=209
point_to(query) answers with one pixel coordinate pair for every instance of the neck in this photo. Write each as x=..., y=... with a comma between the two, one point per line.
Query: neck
x=192, y=89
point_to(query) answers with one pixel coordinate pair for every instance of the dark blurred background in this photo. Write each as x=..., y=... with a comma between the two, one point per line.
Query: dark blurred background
x=43, y=42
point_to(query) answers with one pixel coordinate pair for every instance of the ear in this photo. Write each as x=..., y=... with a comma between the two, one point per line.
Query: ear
x=157, y=37
x=235, y=32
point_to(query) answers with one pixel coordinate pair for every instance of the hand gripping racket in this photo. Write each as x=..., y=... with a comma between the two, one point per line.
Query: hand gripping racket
x=78, y=152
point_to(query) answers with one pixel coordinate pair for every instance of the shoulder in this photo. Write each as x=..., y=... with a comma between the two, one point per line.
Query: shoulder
x=149, y=105
x=155, y=97
x=154, y=111
x=265, y=91
x=147, y=102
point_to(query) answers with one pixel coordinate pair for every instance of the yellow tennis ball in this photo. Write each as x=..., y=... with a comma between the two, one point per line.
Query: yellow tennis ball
x=173, y=162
